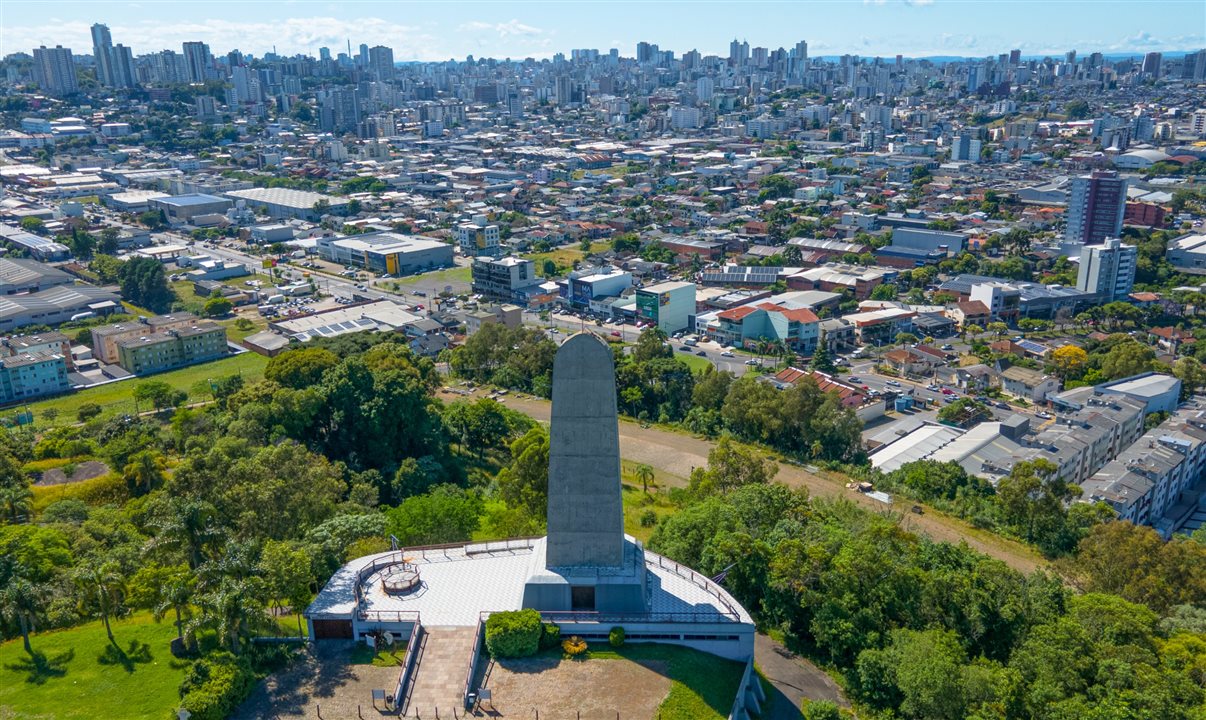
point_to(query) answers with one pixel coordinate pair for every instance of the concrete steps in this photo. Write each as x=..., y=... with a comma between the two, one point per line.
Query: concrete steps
x=439, y=682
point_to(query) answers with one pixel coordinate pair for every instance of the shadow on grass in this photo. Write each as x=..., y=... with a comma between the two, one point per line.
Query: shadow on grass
x=137, y=653
x=39, y=668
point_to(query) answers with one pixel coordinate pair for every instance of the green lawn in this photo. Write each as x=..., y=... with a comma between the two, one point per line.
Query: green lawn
x=117, y=398
x=693, y=361
x=562, y=257
x=79, y=674
x=702, y=685
x=638, y=503
x=456, y=274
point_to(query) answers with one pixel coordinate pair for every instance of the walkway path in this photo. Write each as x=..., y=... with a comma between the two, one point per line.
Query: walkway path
x=439, y=682
x=677, y=453
x=793, y=679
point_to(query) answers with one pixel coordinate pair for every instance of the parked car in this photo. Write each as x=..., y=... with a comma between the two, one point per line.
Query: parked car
x=948, y=346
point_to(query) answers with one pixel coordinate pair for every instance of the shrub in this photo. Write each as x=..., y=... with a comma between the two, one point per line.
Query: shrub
x=648, y=518
x=513, y=633
x=820, y=710
x=87, y=411
x=616, y=636
x=574, y=646
x=215, y=685
x=550, y=636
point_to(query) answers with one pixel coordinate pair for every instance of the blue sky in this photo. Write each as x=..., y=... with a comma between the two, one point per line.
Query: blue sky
x=439, y=30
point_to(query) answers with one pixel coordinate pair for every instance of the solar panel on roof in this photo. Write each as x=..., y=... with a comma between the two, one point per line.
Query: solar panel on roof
x=1031, y=346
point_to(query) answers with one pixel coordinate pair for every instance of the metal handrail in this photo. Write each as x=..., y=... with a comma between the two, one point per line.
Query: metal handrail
x=700, y=581
x=409, y=663
x=589, y=616
x=474, y=655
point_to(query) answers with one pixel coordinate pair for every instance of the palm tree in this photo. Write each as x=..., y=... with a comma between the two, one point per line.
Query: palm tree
x=105, y=584
x=644, y=473
x=22, y=601
x=145, y=470
x=17, y=499
x=176, y=595
x=229, y=609
x=189, y=526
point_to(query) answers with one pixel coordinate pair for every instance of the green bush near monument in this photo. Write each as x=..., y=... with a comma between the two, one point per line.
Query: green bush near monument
x=216, y=685
x=616, y=636
x=514, y=633
x=550, y=636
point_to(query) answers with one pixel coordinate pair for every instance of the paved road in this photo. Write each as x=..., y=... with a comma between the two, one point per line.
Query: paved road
x=676, y=454
x=792, y=679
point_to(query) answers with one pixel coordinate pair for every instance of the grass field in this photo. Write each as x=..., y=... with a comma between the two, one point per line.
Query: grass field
x=117, y=398
x=78, y=674
x=695, y=362
x=562, y=257
x=638, y=503
x=702, y=685
x=456, y=274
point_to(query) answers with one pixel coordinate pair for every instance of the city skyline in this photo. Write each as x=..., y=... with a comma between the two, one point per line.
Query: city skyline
x=421, y=32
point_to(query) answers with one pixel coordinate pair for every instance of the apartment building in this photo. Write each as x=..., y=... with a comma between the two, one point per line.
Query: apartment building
x=107, y=338
x=31, y=375
x=1145, y=483
x=173, y=348
x=502, y=278
x=477, y=240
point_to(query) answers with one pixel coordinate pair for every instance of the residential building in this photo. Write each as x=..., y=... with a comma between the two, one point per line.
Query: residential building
x=177, y=347
x=48, y=342
x=1031, y=385
x=1096, y=205
x=507, y=315
x=502, y=278
x=54, y=70
x=106, y=338
x=198, y=62
x=1158, y=392
x=1147, y=484
x=1002, y=300
x=477, y=240
x=1107, y=270
x=33, y=374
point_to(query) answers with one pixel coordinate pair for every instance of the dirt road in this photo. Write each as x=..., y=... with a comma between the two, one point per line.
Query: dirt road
x=676, y=454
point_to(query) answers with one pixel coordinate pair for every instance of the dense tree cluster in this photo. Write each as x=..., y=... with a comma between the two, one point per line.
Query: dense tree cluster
x=926, y=630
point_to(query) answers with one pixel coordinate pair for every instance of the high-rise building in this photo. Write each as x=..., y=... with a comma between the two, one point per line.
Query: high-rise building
x=800, y=58
x=1151, y=64
x=515, y=105
x=1108, y=270
x=197, y=61
x=102, y=53
x=54, y=70
x=381, y=63
x=739, y=53
x=1015, y=57
x=1095, y=207
x=965, y=147
x=1193, y=66
x=705, y=88
x=121, y=63
x=324, y=53
x=644, y=52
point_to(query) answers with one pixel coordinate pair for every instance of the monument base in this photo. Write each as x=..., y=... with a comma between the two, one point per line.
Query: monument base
x=588, y=589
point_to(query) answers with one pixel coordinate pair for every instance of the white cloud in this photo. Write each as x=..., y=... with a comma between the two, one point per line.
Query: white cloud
x=511, y=28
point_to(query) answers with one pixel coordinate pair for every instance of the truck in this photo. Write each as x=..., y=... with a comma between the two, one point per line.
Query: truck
x=276, y=299
x=691, y=341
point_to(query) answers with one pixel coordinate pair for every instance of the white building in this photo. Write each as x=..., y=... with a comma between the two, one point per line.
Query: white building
x=1107, y=270
x=670, y=305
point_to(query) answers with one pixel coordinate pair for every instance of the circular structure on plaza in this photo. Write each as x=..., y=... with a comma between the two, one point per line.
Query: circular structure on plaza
x=400, y=579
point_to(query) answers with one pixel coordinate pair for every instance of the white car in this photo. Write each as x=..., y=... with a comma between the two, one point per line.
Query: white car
x=752, y=361
x=726, y=353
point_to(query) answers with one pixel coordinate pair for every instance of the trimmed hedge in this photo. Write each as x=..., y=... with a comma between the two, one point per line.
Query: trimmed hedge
x=550, y=636
x=616, y=636
x=513, y=633
x=215, y=685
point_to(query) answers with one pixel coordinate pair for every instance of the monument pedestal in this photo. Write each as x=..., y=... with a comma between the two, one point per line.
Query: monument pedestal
x=609, y=590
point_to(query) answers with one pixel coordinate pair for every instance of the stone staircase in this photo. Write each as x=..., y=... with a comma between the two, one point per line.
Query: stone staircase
x=439, y=682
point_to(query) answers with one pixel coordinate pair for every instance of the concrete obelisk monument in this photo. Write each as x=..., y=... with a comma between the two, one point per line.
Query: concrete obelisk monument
x=586, y=562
